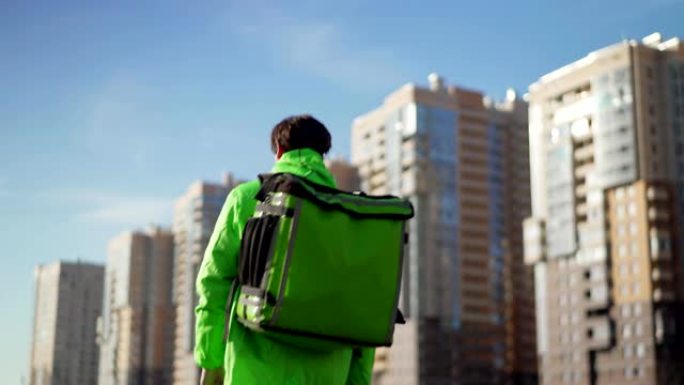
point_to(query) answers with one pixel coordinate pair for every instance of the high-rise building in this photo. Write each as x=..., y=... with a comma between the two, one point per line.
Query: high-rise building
x=607, y=172
x=135, y=330
x=68, y=300
x=346, y=175
x=462, y=160
x=194, y=218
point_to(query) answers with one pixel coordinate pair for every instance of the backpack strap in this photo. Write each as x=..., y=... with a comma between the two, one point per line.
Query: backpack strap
x=235, y=285
x=261, y=195
x=229, y=306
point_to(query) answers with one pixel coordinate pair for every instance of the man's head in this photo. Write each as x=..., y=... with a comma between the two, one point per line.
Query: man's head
x=297, y=132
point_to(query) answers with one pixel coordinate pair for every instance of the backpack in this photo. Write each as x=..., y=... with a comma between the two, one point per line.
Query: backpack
x=320, y=268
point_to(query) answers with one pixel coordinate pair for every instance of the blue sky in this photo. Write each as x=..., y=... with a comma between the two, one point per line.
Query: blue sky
x=108, y=110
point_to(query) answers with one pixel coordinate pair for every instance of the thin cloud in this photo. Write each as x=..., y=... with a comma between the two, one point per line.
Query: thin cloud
x=322, y=49
x=137, y=211
x=107, y=208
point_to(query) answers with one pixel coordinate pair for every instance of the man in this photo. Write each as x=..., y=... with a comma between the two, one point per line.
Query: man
x=247, y=357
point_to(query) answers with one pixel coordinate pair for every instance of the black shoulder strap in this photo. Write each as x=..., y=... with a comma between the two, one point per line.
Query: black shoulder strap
x=229, y=306
x=263, y=177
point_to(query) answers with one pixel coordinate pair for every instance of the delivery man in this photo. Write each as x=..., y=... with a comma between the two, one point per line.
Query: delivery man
x=245, y=357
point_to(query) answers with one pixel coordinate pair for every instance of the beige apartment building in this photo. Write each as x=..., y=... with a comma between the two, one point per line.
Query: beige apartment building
x=462, y=160
x=135, y=330
x=605, y=235
x=68, y=300
x=195, y=215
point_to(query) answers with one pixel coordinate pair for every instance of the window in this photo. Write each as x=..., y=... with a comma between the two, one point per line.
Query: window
x=565, y=338
x=632, y=209
x=641, y=350
x=622, y=230
x=623, y=270
x=575, y=317
x=626, y=311
x=637, y=309
x=630, y=372
x=639, y=329
x=622, y=250
x=562, y=301
x=626, y=331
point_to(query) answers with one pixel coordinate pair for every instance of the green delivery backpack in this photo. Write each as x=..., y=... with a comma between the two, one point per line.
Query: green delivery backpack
x=320, y=268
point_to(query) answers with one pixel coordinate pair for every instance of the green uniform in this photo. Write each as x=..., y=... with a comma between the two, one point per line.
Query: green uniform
x=249, y=357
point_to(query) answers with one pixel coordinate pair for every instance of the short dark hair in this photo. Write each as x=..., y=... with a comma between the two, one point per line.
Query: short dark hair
x=300, y=131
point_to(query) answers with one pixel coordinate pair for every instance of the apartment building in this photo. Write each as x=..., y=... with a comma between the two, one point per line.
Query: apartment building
x=195, y=215
x=68, y=300
x=462, y=160
x=346, y=175
x=135, y=330
x=607, y=169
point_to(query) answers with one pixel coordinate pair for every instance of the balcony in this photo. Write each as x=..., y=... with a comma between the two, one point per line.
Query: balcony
x=660, y=275
x=581, y=190
x=583, y=170
x=662, y=295
x=379, y=179
x=582, y=210
x=597, y=297
x=656, y=194
x=598, y=333
x=584, y=152
x=657, y=214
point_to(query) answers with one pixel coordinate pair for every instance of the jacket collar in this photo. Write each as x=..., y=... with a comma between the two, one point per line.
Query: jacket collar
x=306, y=163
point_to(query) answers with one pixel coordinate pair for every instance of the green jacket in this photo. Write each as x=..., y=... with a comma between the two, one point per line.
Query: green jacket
x=249, y=357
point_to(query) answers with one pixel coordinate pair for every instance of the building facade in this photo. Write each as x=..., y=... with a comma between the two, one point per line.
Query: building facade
x=68, y=300
x=194, y=218
x=607, y=162
x=461, y=160
x=346, y=175
x=135, y=331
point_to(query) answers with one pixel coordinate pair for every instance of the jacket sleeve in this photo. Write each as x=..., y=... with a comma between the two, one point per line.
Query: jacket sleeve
x=361, y=368
x=218, y=269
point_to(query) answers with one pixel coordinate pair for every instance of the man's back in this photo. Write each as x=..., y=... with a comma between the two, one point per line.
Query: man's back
x=249, y=357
